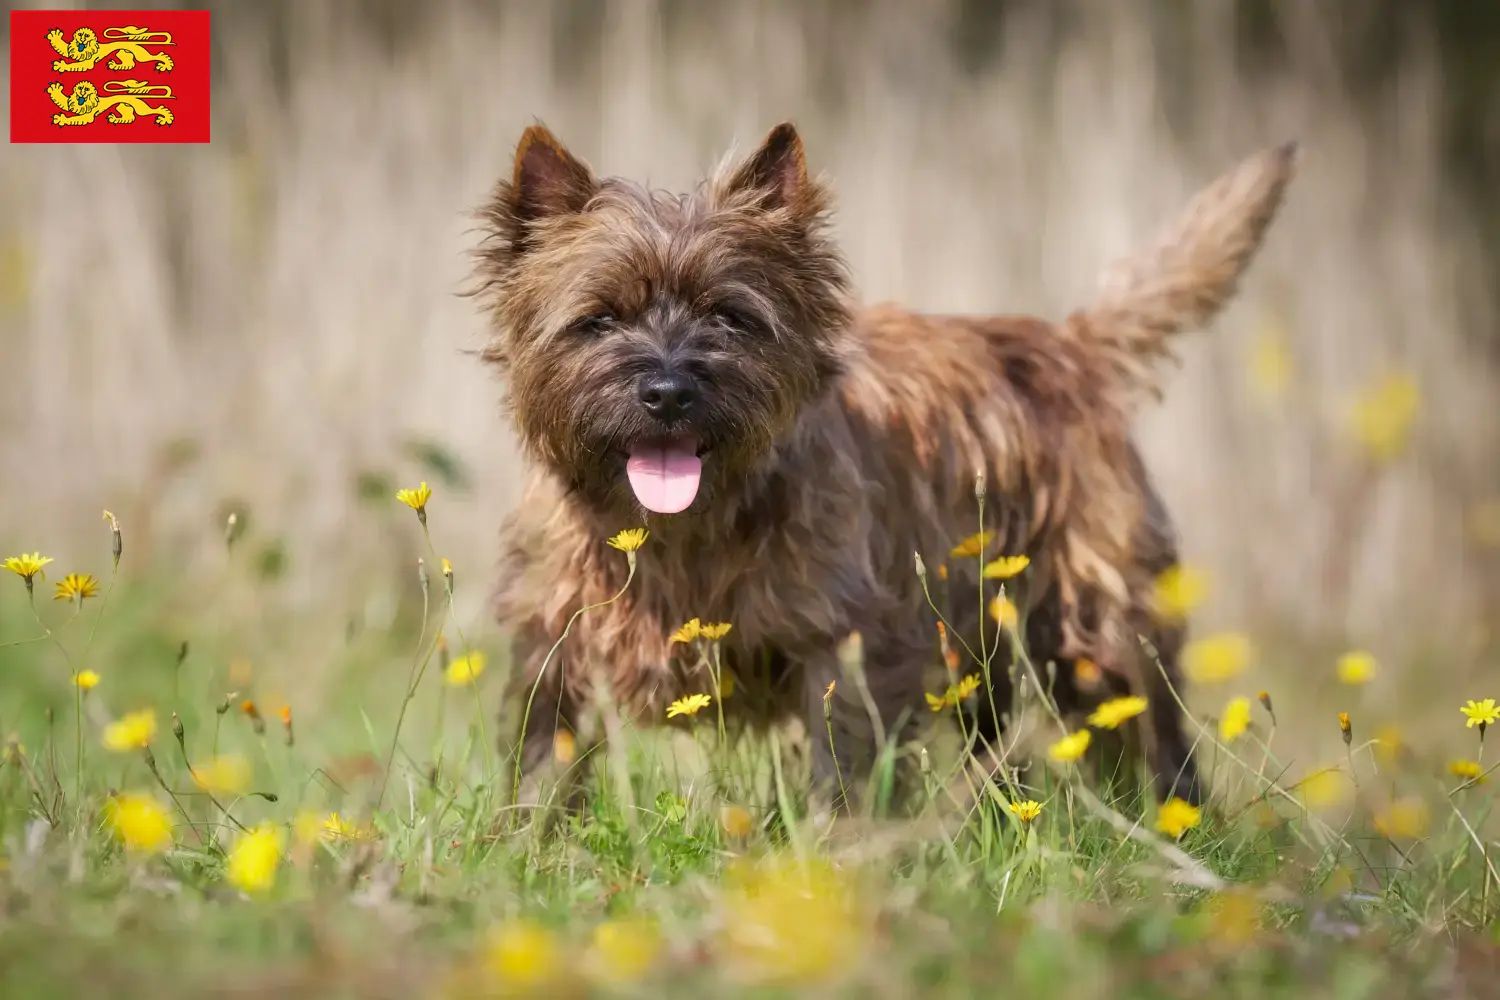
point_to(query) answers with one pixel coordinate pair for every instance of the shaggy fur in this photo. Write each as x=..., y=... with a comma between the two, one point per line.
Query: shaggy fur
x=838, y=442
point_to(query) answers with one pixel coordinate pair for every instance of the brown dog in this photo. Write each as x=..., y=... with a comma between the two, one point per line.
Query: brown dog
x=693, y=363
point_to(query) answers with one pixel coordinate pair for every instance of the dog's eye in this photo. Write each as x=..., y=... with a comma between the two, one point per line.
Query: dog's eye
x=594, y=325
x=741, y=322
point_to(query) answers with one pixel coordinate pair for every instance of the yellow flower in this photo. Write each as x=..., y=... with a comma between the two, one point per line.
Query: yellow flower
x=1176, y=817
x=690, y=705
x=27, y=567
x=86, y=680
x=1087, y=672
x=736, y=821
x=687, y=632
x=335, y=827
x=1234, y=720
x=564, y=747
x=464, y=669
x=790, y=924
x=1005, y=567
x=1111, y=713
x=629, y=540
x=254, y=858
x=1381, y=416
x=1322, y=788
x=1178, y=590
x=714, y=631
x=415, y=499
x=140, y=822
x=1004, y=611
x=1345, y=727
x=1405, y=818
x=955, y=693
x=1070, y=747
x=972, y=546
x=1216, y=658
x=227, y=775
x=524, y=955
x=1271, y=362
x=623, y=951
x=80, y=586
x=1025, y=811
x=1468, y=770
x=1356, y=667
x=1481, y=713
x=133, y=731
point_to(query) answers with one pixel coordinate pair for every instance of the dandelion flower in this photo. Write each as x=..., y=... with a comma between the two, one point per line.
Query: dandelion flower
x=1345, y=727
x=1176, y=817
x=687, y=632
x=335, y=827
x=972, y=546
x=791, y=924
x=76, y=586
x=1265, y=700
x=465, y=669
x=1234, y=720
x=1111, y=713
x=1005, y=567
x=1382, y=415
x=714, y=631
x=226, y=775
x=736, y=821
x=1087, y=673
x=257, y=722
x=1217, y=658
x=86, y=680
x=1025, y=811
x=1178, y=590
x=1405, y=818
x=254, y=858
x=415, y=499
x=1070, y=747
x=1004, y=611
x=1322, y=788
x=1270, y=371
x=524, y=955
x=690, y=705
x=133, y=731
x=140, y=822
x=27, y=567
x=623, y=951
x=955, y=694
x=564, y=747
x=1469, y=770
x=629, y=540
x=1355, y=668
x=1481, y=713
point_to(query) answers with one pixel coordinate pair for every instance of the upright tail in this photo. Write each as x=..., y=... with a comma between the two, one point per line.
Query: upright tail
x=1190, y=272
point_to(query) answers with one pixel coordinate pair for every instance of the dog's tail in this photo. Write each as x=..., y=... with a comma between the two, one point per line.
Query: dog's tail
x=1191, y=271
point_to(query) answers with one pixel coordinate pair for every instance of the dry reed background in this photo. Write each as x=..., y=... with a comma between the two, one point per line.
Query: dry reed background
x=285, y=298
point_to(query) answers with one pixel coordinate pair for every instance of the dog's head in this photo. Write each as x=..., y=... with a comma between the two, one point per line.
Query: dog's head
x=657, y=345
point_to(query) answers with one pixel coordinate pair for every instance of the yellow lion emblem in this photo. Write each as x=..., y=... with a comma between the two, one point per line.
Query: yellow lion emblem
x=124, y=44
x=126, y=97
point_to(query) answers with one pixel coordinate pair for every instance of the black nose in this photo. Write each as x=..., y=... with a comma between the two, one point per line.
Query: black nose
x=668, y=398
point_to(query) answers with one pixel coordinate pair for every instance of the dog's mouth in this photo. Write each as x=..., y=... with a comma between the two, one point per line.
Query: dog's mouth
x=665, y=473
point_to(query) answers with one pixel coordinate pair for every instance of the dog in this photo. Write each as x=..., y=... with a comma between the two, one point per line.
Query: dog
x=696, y=364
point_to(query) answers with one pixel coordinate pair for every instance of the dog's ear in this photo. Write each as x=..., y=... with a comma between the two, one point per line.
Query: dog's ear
x=547, y=179
x=778, y=169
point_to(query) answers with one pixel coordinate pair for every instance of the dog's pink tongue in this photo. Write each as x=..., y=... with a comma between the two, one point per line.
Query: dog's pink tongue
x=665, y=479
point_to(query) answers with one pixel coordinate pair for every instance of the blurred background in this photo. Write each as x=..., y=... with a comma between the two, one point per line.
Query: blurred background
x=271, y=324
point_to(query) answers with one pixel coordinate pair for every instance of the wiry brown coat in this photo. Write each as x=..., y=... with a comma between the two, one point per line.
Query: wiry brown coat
x=844, y=441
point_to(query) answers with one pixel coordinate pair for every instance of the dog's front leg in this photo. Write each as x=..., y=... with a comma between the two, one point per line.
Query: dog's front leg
x=860, y=703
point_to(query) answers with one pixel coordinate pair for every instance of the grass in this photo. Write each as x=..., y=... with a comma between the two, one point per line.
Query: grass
x=696, y=866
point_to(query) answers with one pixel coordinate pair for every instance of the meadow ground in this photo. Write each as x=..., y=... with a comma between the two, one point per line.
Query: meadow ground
x=171, y=826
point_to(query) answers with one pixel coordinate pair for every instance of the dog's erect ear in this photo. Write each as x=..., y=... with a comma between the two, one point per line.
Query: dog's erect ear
x=548, y=180
x=778, y=168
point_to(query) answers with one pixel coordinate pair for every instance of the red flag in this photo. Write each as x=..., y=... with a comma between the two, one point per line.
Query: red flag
x=109, y=76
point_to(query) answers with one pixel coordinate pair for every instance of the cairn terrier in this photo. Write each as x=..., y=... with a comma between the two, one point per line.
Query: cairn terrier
x=695, y=364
